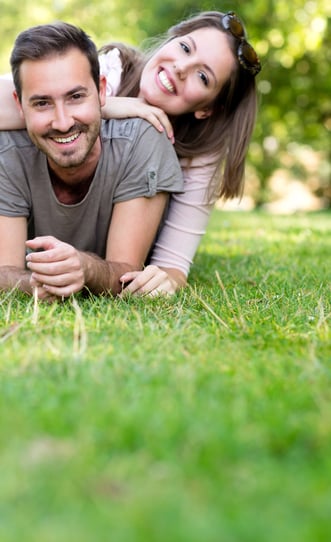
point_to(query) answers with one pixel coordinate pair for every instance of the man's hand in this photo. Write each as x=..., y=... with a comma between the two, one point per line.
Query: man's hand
x=56, y=267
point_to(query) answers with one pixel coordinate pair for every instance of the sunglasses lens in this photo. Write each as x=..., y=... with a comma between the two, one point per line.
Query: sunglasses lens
x=248, y=57
x=236, y=28
x=231, y=22
x=246, y=54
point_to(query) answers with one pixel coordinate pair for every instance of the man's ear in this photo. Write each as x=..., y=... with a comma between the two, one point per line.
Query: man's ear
x=102, y=90
x=203, y=113
x=18, y=103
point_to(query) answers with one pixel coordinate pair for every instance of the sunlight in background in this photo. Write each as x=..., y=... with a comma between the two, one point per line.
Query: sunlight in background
x=291, y=39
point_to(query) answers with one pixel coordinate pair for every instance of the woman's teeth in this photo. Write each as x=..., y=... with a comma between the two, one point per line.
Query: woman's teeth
x=165, y=81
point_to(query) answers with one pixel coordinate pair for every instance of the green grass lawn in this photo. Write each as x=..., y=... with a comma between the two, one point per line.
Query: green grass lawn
x=205, y=417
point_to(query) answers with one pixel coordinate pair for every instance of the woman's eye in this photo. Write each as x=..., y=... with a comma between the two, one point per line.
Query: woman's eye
x=204, y=78
x=185, y=47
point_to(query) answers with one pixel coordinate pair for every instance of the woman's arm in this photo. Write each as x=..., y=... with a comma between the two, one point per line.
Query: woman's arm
x=10, y=118
x=118, y=107
x=179, y=238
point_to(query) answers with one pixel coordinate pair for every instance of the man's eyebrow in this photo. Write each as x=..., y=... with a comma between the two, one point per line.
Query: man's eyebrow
x=36, y=97
x=79, y=88
x=207, y=68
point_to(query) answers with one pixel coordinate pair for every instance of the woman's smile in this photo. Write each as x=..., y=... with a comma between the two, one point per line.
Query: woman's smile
x=190, y=70
x=165, y=82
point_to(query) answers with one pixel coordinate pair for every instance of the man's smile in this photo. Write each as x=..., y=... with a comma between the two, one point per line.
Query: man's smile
x=68, y=139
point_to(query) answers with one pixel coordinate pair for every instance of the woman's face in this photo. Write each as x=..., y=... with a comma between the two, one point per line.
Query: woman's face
x=187, y=73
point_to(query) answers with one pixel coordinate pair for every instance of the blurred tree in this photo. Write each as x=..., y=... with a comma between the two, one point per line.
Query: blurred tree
x=294, y=124
x=293, y=40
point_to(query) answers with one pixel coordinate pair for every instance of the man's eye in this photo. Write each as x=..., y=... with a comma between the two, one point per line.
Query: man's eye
x=41, y=104
x=77, y=96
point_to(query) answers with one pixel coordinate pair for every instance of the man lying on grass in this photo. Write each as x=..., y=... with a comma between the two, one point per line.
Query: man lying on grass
x=85, y=196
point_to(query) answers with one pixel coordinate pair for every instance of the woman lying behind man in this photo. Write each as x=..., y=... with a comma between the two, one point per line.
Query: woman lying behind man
x=199, y=86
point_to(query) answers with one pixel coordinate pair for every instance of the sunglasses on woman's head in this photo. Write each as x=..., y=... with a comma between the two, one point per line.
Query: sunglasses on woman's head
x=246, y=55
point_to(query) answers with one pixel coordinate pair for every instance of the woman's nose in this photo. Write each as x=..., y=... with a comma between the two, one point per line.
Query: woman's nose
x=180, y=70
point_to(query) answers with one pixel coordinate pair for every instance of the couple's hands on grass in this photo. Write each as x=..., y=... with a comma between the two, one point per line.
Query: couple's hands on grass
x=152, y=281
x=56, y=268
x=119, y=107
x=57, y=271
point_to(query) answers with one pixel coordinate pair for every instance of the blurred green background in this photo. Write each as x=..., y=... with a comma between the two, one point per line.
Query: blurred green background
x=289, y=158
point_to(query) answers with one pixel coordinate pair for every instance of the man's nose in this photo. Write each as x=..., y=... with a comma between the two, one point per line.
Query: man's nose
x=62, y=120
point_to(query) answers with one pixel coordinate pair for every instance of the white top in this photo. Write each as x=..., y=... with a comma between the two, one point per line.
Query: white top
x=189, y=212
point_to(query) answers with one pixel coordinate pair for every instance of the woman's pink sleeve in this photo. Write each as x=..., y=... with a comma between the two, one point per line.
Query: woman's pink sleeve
x=187, y=218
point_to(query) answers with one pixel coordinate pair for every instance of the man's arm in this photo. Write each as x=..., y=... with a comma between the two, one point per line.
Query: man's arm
x=63, y=270
x=13, y=272
x=133, y=228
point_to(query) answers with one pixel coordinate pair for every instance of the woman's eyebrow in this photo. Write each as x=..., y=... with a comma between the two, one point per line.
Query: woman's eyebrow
x=207, y=68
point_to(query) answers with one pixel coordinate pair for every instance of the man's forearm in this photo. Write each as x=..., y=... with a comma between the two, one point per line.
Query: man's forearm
x=14, y=277
x=102, y=276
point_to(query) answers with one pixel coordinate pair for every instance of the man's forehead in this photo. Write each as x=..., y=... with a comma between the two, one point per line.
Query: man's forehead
x=71, y=57
x=58, y=71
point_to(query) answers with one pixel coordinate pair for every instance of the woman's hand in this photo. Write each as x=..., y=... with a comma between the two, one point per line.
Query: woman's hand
x=118, y=107
x=152, y=281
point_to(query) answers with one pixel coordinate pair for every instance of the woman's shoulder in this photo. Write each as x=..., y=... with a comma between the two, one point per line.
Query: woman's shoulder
x=111, y=67
x=119, y=62
x=6, y=76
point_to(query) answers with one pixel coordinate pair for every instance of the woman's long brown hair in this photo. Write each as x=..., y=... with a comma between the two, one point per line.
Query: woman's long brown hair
x=227, y=132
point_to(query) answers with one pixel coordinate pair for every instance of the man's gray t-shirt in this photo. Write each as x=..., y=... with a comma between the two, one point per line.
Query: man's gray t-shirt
x=136, y=161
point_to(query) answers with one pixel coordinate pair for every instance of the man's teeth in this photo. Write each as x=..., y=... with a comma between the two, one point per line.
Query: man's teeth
x=165, y=81
x=66, y=139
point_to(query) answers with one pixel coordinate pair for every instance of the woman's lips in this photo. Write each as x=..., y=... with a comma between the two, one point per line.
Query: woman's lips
x=165, y=82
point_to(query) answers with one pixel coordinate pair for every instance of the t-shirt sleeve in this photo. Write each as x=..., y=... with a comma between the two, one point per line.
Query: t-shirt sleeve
x=151, y=165
x=187, y=218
